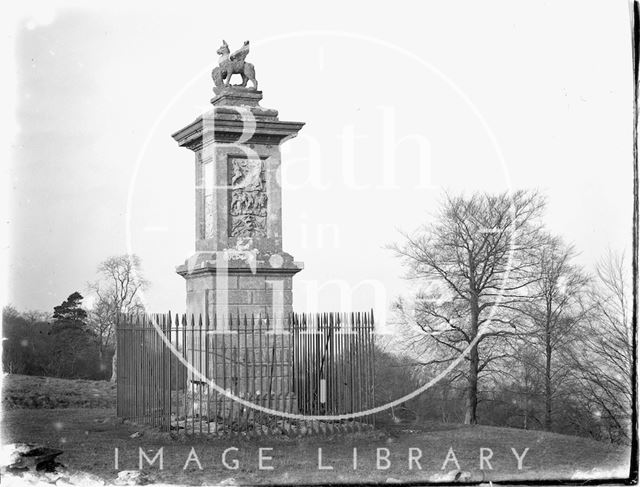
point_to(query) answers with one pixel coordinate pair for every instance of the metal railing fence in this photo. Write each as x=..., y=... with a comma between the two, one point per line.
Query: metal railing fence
x=314, y=365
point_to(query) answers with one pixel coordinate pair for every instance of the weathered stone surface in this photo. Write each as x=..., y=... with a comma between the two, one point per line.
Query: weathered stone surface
x=235, y=96
x=244, y=293
x=272, y=298
x=252, y=282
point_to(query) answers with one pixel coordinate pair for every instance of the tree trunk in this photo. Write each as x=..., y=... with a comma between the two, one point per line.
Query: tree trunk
x=547, y=382
x=444, y=405
x=101, y=361
x=114, y=359
x=474, y=362
x=470, y=416
x=114, y=365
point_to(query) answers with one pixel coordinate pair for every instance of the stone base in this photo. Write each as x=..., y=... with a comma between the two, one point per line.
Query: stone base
x=236, y=96
x=218, y=406
x=237, y=288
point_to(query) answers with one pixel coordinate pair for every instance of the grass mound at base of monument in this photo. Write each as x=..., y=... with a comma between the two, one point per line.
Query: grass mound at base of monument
x=89, y=437
x=35, y=392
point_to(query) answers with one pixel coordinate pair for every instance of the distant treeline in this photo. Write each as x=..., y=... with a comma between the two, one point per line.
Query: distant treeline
x=36, y=344
x=75, y=342
x=502, y=404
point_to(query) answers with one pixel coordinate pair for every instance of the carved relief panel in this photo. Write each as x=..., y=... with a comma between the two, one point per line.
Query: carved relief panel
x=248, y=198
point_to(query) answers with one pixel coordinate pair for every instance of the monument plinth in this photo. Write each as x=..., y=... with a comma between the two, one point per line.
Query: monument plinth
x=239, y=266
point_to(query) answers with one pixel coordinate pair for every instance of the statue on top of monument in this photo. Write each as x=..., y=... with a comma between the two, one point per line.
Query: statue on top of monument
x=230, y=64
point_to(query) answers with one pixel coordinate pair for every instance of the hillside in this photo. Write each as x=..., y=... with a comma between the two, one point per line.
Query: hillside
x=89, y=436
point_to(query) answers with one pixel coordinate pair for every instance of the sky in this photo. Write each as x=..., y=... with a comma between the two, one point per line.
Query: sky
x=401, y=102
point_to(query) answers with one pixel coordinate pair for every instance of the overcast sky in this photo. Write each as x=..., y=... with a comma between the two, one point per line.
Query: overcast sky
x=401, y=100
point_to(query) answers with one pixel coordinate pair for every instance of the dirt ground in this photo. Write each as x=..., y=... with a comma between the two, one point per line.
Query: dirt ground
x=89, y=438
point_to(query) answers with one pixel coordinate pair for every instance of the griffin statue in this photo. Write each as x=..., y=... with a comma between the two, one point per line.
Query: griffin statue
x=230, y=64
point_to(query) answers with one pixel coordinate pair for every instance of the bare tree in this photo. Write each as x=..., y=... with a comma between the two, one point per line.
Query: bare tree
x=118, y=292
x=604, y=355
x=479, y=258
x=36, y=316
x=102, y=320
x=556, y=309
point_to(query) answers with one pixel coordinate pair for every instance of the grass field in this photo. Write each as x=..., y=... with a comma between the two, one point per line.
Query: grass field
x=89, y=437
x=27, y=391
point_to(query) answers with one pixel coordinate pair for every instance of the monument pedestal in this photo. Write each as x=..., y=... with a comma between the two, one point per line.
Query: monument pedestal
x=239, y=284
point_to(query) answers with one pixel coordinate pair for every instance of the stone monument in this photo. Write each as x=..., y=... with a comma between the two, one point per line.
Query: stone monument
x=239, y=266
